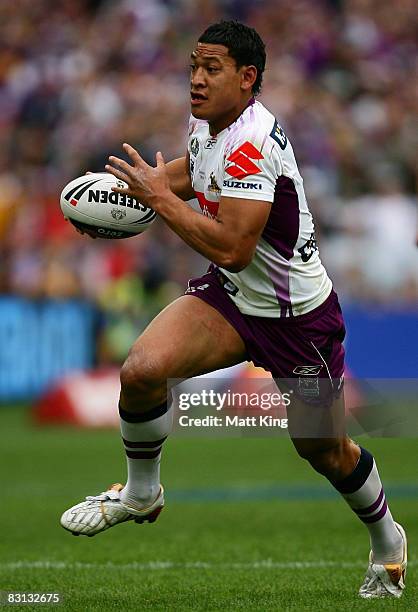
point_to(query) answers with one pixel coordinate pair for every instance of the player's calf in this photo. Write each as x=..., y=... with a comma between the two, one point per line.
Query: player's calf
x=353, y=472
x=145, y=422
x=333, y=458
x=363, y=491
x=143, y=435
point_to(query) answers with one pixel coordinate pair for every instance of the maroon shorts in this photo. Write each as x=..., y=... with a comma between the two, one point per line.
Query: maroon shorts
x=302, y=350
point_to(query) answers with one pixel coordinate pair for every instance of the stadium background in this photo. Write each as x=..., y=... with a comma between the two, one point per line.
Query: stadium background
x=78, y=78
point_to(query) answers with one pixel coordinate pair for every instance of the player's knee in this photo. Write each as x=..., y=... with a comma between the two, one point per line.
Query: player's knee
x=141, y=375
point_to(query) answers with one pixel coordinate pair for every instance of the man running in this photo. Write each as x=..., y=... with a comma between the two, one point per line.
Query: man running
x=266, y=298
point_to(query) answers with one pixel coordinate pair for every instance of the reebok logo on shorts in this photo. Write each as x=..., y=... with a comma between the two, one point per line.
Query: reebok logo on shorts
x=307, y=370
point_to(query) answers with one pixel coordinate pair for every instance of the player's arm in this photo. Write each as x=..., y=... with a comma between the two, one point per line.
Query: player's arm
x=229, y=240
x=178, y=172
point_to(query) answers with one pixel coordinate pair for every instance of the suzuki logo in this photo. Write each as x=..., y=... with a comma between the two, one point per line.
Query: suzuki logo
x=241, y=164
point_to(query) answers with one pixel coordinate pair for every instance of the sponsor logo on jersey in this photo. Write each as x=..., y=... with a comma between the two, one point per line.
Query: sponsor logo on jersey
x=308, y=249
x=208, y=208
x=191, y=168
x=118, y=213
x=279, y=136
x=194, y=146
x=241, y=165
x=213, y=185
x=210, y=143
x=240, y=185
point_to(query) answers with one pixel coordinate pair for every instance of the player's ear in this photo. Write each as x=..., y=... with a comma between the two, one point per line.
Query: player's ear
x=248, y=77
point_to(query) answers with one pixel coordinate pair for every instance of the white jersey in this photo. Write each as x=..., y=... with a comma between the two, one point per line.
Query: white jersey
x=253, y=159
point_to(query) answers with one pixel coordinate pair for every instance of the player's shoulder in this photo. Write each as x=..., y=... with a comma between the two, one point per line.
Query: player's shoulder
x=250, y=164
x=258, y=126
x=259, y=114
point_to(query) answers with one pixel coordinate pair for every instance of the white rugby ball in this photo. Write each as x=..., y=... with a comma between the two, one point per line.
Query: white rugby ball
x=90, y=204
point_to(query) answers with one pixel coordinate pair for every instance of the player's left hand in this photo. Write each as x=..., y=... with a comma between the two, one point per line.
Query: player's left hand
x=145, y=183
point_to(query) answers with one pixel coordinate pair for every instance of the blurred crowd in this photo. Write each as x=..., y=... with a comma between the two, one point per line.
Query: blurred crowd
x=79, y=77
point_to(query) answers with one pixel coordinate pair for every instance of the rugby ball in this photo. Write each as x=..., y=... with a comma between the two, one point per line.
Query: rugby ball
x=90, y=204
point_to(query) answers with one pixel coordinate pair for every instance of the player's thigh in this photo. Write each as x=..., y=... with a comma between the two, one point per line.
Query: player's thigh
x=189, y=337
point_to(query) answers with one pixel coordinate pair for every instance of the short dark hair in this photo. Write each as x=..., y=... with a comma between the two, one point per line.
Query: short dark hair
x=244, y=45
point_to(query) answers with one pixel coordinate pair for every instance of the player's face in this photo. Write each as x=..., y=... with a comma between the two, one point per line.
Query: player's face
x=219, y=91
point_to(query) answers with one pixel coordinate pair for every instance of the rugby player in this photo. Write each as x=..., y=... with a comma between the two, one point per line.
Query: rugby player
x=266, y=298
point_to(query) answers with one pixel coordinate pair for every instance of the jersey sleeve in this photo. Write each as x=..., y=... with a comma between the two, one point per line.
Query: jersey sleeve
x=250, y=168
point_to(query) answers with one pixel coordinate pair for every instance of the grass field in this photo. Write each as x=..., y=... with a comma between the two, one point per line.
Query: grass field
x=247, y=525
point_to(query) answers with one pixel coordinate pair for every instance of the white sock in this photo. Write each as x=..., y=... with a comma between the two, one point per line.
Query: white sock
x=143, y=436
x=363, y=492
